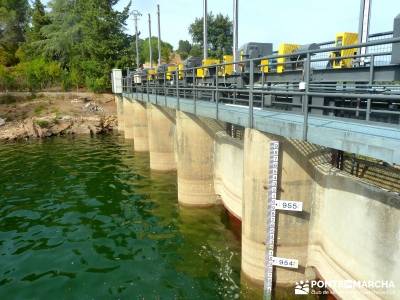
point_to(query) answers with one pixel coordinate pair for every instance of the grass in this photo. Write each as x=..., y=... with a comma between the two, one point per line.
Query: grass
x=39, y=109
x=42, y=123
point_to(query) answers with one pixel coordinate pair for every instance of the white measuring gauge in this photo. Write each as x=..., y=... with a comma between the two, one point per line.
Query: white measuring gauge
x=289, y=205
x=285, y=262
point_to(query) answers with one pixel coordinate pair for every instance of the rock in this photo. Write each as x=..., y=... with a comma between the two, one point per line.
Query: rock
x=55, y=126
x=2, y=122
x=93, y=107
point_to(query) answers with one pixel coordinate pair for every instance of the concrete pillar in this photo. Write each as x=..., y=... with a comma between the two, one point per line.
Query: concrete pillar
x=140, y=131
x=161, y=127
x=194, y=154
x=292, y=228
x=128, y=119
x=120, y=112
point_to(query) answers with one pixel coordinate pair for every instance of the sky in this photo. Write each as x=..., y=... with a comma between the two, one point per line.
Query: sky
x=276, y=21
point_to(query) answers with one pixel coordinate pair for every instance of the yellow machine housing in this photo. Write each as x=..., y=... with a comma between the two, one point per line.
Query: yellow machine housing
x=226, y=70
x=204, y=72
x=265, y=65
x=151, y=74
x=344, y=39
x=170, y=72
x=180, y=69
x=283, y=50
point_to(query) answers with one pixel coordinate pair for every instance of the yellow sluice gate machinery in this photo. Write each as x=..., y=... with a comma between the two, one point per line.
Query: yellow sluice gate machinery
x=204, y=72
x=226, y=70
x=285, y=49
x=281, y=65
x=151, y=74
x=344, y=39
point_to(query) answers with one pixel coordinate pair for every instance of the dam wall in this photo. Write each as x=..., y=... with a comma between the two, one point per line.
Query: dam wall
x=348, y=229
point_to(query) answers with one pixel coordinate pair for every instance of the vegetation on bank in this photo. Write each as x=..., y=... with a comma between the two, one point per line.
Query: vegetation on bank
x=75, y=43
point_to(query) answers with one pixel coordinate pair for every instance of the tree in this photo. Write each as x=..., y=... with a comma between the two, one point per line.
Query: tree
x=87, y=36
x=220, y=36
x=14, y=18
x=184, y=48
x=166, y=50
x=39, y=20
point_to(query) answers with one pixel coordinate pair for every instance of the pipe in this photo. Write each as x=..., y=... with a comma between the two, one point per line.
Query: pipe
x=150, y=50
x=159, y=35
x=235, y=32
x=205, y=43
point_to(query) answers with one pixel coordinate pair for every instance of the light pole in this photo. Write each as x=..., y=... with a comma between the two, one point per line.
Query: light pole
x=159, y=35
x=235, y=31
x=135, y=15
x=363, y=26
x=150, y=50
x=205, y=44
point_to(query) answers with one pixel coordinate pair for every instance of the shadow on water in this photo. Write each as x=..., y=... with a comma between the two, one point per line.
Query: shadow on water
x=85, y=218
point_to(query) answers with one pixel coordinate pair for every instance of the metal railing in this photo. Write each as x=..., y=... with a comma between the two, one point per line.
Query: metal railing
x=364, y=99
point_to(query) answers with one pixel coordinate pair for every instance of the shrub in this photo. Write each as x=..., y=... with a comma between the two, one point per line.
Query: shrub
x=42, y=123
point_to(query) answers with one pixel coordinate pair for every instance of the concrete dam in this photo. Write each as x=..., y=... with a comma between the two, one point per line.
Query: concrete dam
x=348, y=230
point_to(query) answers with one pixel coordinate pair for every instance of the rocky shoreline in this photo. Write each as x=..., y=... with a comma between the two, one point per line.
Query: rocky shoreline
x=72, y=117
x=56, y=126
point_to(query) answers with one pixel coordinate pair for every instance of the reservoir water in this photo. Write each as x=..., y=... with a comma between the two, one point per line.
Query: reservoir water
x=86, y=218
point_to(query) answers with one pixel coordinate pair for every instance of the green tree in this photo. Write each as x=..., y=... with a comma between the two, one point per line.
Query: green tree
x=14, y=18
x=166, y=50
x=87, y=36
x=39, y=20
x=220, y=35
x=184, y=48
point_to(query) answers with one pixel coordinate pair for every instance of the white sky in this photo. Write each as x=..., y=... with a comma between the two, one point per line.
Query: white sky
x=276, y=21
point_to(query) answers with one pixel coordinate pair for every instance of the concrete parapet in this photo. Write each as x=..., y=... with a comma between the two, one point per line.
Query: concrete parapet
x=140, y=130
x=161, y=132
x=195, y=157
x=128, y=115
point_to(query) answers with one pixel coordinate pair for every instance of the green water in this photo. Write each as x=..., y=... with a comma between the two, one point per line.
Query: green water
x=85, y=218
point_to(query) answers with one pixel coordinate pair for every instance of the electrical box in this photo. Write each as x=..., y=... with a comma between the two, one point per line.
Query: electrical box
x=116, y=81
x=344, y=39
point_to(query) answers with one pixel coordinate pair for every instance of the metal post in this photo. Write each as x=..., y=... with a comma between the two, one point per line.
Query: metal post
x=216, y=92
x=177, y=88
x=205, y=43
x=371, y=80
x=363, y=26
x=307, y=70
x=165, y=90
x=235, y=32
x=159, y=35
x=135, y=16
x=194, y=90
x=251, y=111
x=150, y=50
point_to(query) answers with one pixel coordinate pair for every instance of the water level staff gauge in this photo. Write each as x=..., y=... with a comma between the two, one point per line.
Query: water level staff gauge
x=273, y=205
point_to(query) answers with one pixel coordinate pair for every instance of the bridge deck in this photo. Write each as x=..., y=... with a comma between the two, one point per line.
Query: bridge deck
x=373, y=140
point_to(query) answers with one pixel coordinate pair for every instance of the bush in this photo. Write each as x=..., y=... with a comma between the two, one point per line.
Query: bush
x=42, y=123
x=7, y=80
